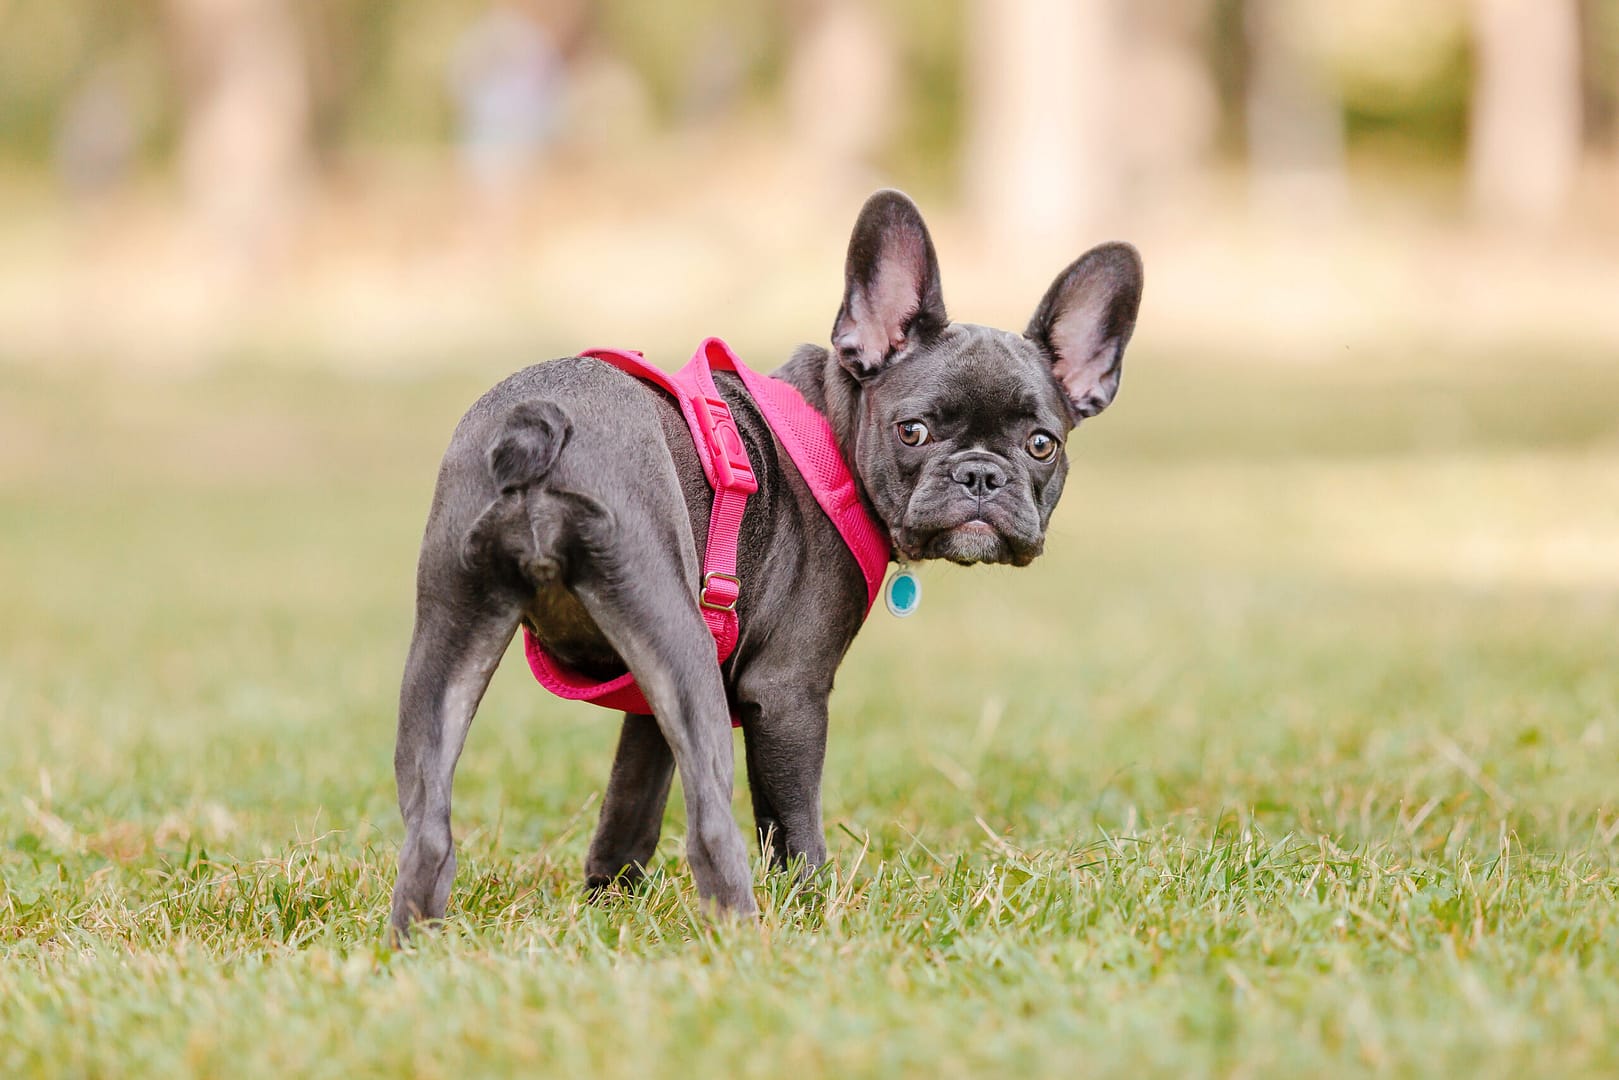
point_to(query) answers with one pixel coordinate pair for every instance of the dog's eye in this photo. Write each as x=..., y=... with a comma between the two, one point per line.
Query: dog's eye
x=912, y=432
x=1042, y=446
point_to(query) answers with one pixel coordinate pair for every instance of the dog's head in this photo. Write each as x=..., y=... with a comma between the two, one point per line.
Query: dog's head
x=961, y=429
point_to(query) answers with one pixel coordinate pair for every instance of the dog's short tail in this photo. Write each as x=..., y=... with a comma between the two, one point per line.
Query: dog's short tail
x=528, y=445
x=524, y=522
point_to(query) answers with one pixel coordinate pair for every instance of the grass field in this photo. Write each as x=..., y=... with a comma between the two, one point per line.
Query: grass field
x=1295, y=755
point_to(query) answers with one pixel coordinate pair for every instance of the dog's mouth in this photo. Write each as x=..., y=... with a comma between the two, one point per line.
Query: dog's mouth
x=972, y=541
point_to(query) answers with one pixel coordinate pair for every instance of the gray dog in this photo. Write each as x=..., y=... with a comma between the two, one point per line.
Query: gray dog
x=572, y=500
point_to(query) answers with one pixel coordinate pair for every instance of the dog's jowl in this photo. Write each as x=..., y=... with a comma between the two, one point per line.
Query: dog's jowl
x=701, y=548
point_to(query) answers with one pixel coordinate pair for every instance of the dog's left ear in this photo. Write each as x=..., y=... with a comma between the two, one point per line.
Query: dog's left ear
x=1085, y=321
x=892, y=300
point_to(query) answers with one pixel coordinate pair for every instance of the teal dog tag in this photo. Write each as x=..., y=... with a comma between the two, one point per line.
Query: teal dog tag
x=903, y=593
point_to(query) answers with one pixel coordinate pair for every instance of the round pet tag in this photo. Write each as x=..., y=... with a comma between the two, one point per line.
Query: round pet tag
x=903, y=593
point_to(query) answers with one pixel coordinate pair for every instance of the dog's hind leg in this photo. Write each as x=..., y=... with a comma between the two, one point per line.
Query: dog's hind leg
x=651, y=618
x=453, y=653
x=471, y=584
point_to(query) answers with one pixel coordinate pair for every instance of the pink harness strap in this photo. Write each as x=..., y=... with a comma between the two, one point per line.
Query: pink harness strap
x=809, y=442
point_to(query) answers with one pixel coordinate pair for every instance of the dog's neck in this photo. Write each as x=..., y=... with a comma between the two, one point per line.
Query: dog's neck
x=815, y=372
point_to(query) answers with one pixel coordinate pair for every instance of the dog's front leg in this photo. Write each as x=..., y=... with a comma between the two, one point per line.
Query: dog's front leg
x=786, y=748
x=632, y=809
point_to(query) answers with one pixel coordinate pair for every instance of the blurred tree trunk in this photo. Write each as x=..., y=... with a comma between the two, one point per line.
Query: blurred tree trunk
x=1524, y=149
x=842, y=85
x=1042, y=154
x=245, y=145
x=1294, y=117
x=1166, y=74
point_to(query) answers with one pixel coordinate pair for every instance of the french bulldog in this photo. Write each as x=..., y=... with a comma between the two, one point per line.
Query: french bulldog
x=572, y=500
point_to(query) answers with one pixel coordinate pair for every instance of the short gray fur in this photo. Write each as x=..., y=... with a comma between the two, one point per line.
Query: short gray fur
x=571, y=499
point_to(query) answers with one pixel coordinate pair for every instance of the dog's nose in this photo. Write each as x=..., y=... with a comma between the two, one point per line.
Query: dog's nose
x=980, y=476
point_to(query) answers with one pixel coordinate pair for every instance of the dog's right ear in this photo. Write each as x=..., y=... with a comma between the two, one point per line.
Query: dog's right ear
x=892, y=300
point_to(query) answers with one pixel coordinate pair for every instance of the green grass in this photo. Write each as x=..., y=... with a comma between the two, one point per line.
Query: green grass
x=1295, y=754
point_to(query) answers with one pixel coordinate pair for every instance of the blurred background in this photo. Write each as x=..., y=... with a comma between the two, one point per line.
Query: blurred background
x=375, y=183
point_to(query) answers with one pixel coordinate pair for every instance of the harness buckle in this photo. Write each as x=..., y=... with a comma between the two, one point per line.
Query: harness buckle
x=721, y=596
x=728, y=456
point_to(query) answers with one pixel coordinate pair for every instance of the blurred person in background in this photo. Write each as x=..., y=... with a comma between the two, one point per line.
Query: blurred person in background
x=98, y=134
x=507, y=80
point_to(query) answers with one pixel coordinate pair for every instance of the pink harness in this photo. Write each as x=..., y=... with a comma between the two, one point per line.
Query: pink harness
x=807, y=438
